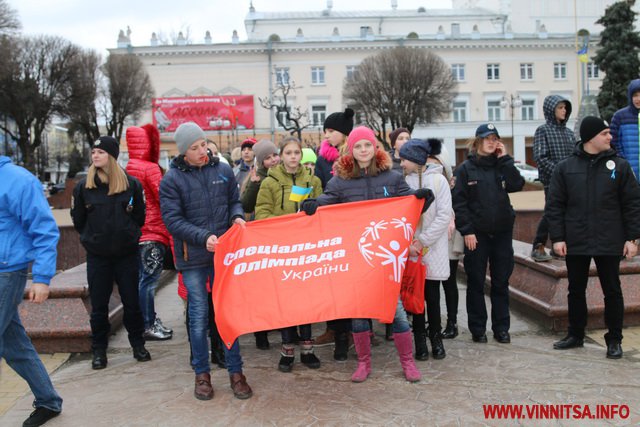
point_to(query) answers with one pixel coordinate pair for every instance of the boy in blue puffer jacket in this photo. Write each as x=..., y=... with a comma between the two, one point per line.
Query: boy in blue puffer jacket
x=625, y=128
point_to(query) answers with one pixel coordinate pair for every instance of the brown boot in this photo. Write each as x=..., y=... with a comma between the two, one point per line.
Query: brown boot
x=239, y=385
x=326, y=338
x=203, y=389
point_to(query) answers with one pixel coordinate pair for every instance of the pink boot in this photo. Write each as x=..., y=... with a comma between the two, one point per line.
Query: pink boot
x=405, y=351
x=362, y=341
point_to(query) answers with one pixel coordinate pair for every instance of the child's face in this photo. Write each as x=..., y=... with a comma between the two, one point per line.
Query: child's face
x=334, y=137
x=409, y=167
x=271, y=160
x=635, y=98
x=311, y=166
x=291, y=155
x=363, y=152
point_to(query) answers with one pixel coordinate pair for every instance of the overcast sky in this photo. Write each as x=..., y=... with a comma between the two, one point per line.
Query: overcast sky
x=95, y=24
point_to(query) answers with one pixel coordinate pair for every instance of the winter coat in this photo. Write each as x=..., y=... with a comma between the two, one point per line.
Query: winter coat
x=327, y=155
x=144, y=153
x=624, y=130
x=241, y=172
x=28, y=231
x=108, y=225
x=434, y=223
x=594, y=203
x=197, y=202
x=552, y=141
x=395, y=162
x=275, y=190
x=250, y=194
x=342, y=188
x=480, y=195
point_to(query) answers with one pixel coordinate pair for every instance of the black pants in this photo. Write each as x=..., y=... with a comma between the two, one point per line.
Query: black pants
x=542, y=233
x=497, y=249
x=101, y=274
x=432, y=297
x=608, y=268
x=450, y=287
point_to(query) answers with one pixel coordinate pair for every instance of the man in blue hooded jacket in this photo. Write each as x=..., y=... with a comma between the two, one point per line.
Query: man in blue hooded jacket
x=625, y=124
x=28, y=233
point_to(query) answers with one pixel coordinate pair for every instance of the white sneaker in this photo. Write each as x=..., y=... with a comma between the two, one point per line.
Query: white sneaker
x=158, y=324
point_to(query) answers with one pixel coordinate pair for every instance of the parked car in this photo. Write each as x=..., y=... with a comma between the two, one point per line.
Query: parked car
x=55, y=188
x=529, y=173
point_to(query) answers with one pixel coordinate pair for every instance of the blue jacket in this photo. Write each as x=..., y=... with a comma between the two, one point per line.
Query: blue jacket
x=197, y=202
x=624, y=130
x=28, y=231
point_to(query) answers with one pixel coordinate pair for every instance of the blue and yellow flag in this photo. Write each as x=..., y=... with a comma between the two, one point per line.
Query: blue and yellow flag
x=583, y=56
x=298, y=194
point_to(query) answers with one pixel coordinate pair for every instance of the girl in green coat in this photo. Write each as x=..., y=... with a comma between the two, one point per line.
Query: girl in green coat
x=281, y=193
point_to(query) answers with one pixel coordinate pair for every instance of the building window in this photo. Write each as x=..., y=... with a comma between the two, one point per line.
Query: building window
x=593, y=72
x=318, y=114
x=458, y=72
x=282, y=115
x=364, y=31
x=317, y=75
x=493, y=72
x=528, y=109
x=560, y=70
x=494, y=111
x=459, y=111
x=526, y=71
x=351, y=71
x=282, y=76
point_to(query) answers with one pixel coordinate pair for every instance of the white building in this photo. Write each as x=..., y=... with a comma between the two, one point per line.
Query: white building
x=498, y=50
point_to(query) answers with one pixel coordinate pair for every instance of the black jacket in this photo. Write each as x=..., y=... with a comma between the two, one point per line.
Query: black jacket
x=108, y=225
x=480, y=198
x=594, y=203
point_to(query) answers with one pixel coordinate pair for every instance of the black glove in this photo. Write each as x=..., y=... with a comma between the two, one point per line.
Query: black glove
x=309, y=206
x=427, y=195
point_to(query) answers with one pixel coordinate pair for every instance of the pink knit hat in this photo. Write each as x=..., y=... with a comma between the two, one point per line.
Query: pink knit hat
x=358, y=134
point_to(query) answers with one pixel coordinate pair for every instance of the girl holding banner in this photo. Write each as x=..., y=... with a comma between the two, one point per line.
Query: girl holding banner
x=281, y=192
x=365, y=173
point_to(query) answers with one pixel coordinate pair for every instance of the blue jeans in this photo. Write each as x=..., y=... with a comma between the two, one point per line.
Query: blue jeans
x=196, y=282
x=151, y=261
x=400, y=322
x=16, y=347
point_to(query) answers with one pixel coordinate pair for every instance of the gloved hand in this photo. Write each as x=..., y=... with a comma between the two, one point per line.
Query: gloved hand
x=427, y=195
x=309, y=206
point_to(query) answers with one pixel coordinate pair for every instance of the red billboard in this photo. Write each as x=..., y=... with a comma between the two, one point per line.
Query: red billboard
x=209, y=112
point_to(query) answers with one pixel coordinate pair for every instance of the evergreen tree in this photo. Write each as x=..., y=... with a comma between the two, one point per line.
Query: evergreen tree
x=617, y=56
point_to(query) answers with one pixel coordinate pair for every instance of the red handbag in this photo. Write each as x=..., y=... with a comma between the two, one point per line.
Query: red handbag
x=412, y=287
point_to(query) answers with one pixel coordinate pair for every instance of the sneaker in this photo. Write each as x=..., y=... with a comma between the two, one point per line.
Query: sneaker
x=39, y=417
x=538, y=254
x=159, y=325
x=154, y=333
x=328, y=338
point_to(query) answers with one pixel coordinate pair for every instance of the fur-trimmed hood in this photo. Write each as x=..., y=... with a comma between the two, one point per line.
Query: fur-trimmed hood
x=344, y=165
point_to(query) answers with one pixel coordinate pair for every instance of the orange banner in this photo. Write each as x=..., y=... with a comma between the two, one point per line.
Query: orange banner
x=346, y=261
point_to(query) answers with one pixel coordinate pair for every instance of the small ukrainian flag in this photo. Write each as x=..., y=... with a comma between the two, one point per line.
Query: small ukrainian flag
x=298, y=194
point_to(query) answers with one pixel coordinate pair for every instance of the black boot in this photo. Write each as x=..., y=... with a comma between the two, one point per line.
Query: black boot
x=141, y=354
x=217, y=353
x=420, y=341
x=437, y=348
x=388, y=332
x=451, y=331
x=99, y=360
x=262, y=340
x=342, y=346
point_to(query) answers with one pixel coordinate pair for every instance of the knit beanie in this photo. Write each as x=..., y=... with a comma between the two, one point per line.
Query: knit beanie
x=186, y=135
x=393, y=136
x=249, y=142
x=308, y=156
x=591, y=126
x=418, y=150
x=108, y=144
x=262, y=149
x=358, y=134
x=342, y=122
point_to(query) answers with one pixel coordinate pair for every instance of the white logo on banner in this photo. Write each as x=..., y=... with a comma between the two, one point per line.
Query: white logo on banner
x=376, y=241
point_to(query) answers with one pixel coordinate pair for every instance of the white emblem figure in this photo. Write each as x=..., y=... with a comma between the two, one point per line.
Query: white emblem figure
x=406, y=227
x=398, y=261
x=374, y=229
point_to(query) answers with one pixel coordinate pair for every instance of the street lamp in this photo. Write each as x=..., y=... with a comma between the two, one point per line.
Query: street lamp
x=512, y=102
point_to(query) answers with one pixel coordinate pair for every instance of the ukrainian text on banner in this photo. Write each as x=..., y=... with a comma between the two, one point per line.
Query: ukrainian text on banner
x=346, y=261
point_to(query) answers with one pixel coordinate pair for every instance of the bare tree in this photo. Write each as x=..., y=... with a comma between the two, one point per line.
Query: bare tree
x=401, y=87
x=81, y=110
x=128, y=91
x=9, y=22
x=292, y=119
x=35, y=86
